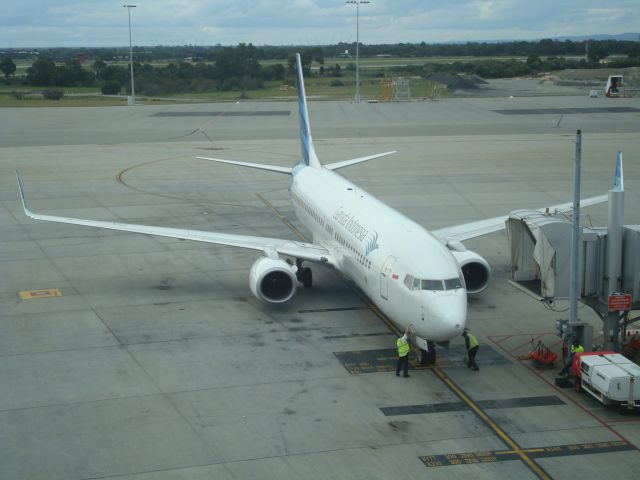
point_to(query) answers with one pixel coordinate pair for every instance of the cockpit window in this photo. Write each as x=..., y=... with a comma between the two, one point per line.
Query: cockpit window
x=452, y=283
x=408, y=282
x=432, y=285
x=413, y=283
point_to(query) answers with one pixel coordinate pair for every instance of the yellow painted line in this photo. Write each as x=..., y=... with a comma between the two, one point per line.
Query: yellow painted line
x=533, y=466
x=524, y=450
x=281, y=217
x=371, y=306
x=47, y=293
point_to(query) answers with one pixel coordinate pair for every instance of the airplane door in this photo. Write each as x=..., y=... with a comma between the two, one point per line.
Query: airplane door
x=385, y=274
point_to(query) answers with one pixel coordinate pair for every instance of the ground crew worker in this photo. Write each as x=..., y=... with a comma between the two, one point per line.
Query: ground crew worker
x=472, y=345
x=403, y=353
x=575, y=348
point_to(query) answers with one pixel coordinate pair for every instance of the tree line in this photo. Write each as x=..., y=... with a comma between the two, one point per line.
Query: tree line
x=233, y=68
x=508, y=68
x=239, y=68
x=544, y=47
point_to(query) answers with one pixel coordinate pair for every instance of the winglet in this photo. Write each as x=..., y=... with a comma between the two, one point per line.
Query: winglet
x=309, y=156
x=618, y=178
x=22, y=199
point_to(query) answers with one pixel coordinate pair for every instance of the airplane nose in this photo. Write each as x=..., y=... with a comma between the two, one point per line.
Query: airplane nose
x=447, y=315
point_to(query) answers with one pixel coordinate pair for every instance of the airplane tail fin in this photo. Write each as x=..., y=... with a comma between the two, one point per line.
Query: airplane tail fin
x=309, y=156
x=618, y=178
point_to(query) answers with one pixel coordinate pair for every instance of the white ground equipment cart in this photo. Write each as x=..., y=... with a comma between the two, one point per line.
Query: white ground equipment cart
x=611, y=378
x=615, y=83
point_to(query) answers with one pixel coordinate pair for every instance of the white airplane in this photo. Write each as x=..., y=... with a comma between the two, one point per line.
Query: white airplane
x=412, y=275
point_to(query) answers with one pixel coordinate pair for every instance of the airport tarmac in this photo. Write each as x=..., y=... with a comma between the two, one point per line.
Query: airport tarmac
x=136, y=357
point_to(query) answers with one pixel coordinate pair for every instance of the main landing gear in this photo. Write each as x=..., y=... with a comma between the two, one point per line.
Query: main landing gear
x=304, y=274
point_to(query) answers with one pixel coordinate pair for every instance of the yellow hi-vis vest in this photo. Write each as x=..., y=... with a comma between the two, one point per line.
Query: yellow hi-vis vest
x=403, y=347
x=473, y=341
x=578, y=349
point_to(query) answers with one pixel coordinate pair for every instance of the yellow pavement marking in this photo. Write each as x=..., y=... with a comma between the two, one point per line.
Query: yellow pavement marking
x=280, y=216
x=533, y=466
x=47, y=293
x=524, y=450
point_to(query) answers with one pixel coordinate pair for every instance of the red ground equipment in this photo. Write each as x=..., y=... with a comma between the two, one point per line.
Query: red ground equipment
x=541, y=355
x=631, y=346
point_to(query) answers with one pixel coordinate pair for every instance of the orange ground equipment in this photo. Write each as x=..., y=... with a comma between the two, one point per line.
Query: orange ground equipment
x=541, y=355
x=631, y=346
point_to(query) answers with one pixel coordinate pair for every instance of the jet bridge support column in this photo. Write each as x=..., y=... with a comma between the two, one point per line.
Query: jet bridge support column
x=615, y=225
x=576, y=329
x=575, y=235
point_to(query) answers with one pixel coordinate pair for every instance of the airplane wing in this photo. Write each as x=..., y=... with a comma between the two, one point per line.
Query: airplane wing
x=287, y=170
x=483, y=227
x=302, y=250
x=353, y=161
x=259, y=166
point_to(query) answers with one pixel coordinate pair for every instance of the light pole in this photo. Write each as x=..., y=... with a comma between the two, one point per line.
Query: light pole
x=357, y=4
x=133, y=89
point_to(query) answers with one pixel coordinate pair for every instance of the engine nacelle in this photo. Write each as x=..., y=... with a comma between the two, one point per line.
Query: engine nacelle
x=273, y=280
x=475, y=270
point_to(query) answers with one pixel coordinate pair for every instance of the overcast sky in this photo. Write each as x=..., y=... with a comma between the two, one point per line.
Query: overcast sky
x=87, y=23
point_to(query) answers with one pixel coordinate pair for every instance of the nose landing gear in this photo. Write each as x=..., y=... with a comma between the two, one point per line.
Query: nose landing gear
x=428, y=357
x=304, y=274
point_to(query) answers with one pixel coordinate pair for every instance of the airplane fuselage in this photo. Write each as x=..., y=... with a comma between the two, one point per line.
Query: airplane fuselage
x=409, y=274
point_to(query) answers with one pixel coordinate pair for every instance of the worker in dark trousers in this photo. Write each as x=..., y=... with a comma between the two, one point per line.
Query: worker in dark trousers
x=403, y=353
x=471, y=343
x=575, y=348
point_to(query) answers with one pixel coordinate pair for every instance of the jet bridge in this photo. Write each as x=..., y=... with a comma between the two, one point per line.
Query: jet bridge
x=540, y=245
x=631, y=262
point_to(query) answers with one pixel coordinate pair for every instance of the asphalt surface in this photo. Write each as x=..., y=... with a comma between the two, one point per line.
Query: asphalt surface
x=149, y=358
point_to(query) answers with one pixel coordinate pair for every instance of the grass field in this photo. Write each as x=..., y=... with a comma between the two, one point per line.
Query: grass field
x=318, y=88
x=7, y=101
x=371, y=86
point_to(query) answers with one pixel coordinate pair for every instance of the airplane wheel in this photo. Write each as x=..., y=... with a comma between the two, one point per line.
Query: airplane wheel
x=307, y=278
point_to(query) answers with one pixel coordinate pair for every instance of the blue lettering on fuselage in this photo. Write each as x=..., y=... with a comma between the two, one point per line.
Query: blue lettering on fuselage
x=351, y=224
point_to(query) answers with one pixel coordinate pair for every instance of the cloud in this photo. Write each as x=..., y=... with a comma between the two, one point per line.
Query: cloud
x=209, y=22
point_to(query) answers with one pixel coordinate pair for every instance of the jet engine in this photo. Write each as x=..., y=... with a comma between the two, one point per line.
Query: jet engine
x=273, y=280
x=475, y=270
